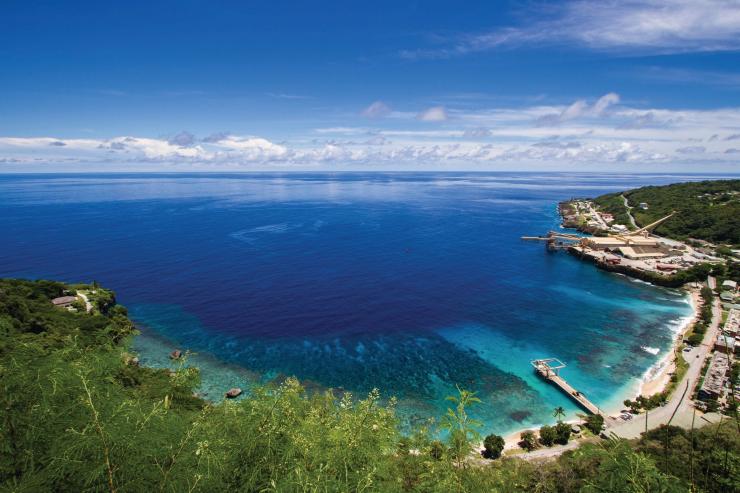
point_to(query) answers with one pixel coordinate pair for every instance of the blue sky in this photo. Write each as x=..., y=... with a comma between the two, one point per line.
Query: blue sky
x=370, y=85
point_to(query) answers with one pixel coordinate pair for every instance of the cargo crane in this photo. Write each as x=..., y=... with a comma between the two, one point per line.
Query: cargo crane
x=555, y=240
x=645, y=231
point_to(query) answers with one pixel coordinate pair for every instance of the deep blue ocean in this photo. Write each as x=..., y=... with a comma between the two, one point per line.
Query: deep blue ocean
x=411, y=283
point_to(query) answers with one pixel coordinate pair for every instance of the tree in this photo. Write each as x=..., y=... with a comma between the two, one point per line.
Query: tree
x=622, y=470
x=562, y=433
x=547, y=435
x=528, y=440
x=558, y=413
x=493, y=445
x=594, y=423
x=462, y=428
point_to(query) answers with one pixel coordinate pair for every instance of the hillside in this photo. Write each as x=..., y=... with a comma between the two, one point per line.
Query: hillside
x=707, y=210
x=77, y=413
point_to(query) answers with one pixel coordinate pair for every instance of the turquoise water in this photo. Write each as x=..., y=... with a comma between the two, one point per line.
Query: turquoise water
x=411, y=283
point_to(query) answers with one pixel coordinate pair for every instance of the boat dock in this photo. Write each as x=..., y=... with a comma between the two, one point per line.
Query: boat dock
x=549, y=370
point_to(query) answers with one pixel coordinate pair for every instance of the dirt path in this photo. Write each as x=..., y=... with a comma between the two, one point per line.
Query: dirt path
x=88, y=305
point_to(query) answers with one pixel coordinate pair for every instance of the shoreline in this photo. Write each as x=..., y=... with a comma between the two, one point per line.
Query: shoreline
x=653, y=381
x=657, y=377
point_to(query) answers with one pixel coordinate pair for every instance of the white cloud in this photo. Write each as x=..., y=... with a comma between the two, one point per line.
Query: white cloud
x=581, y=109
x=653, y=26
x=589, y=133
x=378, y=109
x=691, y=150
x=433, y=114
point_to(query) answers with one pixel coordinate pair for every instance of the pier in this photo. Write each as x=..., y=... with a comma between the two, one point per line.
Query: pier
x=549, y=369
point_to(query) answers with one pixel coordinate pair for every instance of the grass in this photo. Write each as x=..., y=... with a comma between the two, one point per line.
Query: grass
x=682, y=366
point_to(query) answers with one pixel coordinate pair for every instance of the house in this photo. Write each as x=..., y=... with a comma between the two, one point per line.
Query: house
x=715, y=377
x=619, y=228
x=643, y=206
x=725, y=344
x=729, y=285
x=727, y=296
x=732, y=325
x=64, y=301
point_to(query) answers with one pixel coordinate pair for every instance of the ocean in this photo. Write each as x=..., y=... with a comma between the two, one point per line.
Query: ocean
x=412, y=283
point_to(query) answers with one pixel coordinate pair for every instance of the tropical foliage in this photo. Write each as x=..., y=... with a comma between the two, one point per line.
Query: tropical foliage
x=706, y=210
x=77, y=414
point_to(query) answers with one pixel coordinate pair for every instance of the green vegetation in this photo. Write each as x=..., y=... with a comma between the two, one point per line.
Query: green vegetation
x=694, y=273
x=709, y=458
x=696, y=335
x=707, y=210
x=493, y=445
x=77, y=414
x=595, y=423
x=613, y=203
x=646, y=403
x=548, y=435
x=528, y=440
x=682, y=366
x=562, y=433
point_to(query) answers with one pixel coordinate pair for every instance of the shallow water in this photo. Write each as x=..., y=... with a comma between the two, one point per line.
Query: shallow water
x=412, y=283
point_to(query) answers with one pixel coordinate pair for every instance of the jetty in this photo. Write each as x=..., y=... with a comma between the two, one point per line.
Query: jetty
x=549, y=369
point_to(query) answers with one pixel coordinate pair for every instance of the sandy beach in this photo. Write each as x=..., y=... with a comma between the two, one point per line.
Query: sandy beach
x=654, y=380
x=657, y=377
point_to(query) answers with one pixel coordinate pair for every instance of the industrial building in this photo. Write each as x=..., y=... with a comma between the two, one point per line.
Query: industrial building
x=631, y=247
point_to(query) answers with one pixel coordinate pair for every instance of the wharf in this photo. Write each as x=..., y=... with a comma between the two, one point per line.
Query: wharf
x=549, y=369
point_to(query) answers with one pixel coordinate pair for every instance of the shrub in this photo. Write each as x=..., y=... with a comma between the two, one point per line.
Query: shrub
x=562, y=433
x=493, y=445
x=528, y=440
x=547, y=435
x=437, y=450
x=695, y=339
x=594, y=423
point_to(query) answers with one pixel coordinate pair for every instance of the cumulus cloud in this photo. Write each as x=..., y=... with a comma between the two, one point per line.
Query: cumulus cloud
x=378, y=109
x=433, y=114
x=216, y=137
x=182, y=139
x=581, y=109
x=644, y=120
x=484, y=136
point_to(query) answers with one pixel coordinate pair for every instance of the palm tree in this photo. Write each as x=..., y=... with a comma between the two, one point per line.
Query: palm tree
x=559, y=413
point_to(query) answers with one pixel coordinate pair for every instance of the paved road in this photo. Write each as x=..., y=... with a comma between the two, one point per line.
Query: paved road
x=597, y=216
x=629, y=212
x=679, y=410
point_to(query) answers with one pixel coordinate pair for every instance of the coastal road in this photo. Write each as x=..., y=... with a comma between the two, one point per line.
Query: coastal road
x=597, y=216
x=679, y=410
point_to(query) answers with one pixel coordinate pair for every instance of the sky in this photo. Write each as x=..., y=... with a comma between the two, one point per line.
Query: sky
x=388, y=85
